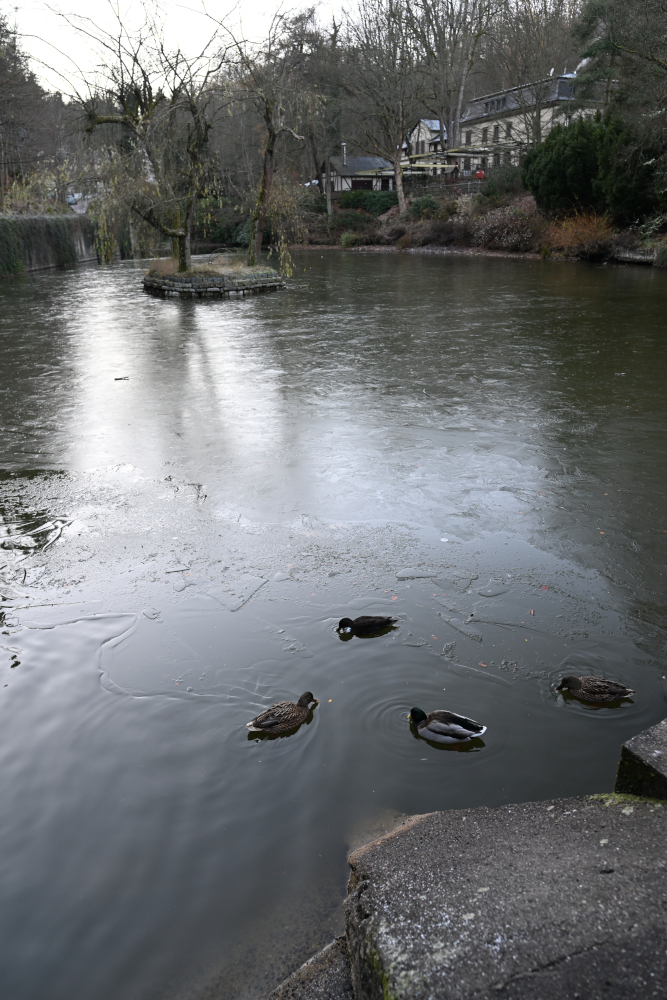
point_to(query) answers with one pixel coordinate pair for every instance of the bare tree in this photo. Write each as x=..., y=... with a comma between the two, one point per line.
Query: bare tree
x=532, y=40
x=267, y=78
x=449, y=33
x=388, y=92
x=163, y=104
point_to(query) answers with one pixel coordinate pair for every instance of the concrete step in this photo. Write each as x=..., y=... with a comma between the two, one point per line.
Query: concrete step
x=642, y=769
x=541, y=900
x=326, y=976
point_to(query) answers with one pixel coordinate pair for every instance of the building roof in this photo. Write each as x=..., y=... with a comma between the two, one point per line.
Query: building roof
x=355, y=164
x=555, y=88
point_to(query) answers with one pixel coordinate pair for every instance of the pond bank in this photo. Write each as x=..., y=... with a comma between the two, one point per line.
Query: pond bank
x=39, y=242
x=463, y=251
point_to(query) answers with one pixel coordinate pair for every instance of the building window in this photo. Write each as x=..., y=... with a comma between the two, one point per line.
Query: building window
x=508, y=130
x=486, y=108
x=496, y=159
x=485, y=136
x=508, y=156
x=468, y=138
x=423, y=146
x=496, y=133
x=466, y=163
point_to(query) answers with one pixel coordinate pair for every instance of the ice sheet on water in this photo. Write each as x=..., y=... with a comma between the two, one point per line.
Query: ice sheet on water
x=416, y=574
x=494, y=588
x=359, y=603
x=233, y=594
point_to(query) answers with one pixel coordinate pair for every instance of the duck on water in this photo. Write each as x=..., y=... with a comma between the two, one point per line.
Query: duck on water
x=366, y=624
x=445, y=727
x=282, y=716
x=596, y=690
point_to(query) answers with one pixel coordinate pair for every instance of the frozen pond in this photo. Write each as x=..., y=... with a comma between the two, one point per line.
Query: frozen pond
x=193, y=494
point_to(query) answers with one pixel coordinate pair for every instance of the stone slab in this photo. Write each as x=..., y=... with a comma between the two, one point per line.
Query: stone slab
x=542, y=900
x=326, y=976
x=642, y=769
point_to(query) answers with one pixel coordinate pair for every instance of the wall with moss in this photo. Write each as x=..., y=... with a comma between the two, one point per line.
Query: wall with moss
x=29, y=243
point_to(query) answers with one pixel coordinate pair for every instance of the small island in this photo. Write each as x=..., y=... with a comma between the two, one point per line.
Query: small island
x=221, y=277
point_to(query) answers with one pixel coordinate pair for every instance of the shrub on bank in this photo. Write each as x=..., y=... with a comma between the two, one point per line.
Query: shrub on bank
x=424, y=208
x=374, y=202
x=503, y=181
x=445, y=232
x=592, y=166
x=508, y=229
x=587, y=236
x=350, y=239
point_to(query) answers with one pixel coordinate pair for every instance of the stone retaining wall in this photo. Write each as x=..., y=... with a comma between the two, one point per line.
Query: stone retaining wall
x=206, y=286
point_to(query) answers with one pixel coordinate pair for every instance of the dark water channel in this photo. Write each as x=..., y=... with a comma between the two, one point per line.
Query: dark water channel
x=497, y=424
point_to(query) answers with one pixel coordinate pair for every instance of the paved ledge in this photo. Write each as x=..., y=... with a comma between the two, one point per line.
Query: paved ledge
x=642, y=769
x=326, y=976
x=542, y=900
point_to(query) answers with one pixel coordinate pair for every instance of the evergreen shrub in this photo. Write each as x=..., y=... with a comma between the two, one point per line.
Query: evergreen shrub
x=374, y=202
x=425, y=207
x=591, y=165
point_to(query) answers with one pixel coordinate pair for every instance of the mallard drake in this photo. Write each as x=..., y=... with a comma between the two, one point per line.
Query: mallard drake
x=445, y=727
x=594, y=689
x=282, y=716
x=366, y=624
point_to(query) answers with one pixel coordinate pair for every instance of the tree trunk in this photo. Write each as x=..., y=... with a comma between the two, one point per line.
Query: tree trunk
x=327, y=181
x=398, y=180
x=259, y=215
x=318, y=172
x=176, y=224
x=136, y=253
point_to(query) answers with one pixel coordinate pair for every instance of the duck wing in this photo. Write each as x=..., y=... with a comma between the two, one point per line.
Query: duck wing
x=369, y=622
x=450, y=724
x=281, y=714
x=599, y=688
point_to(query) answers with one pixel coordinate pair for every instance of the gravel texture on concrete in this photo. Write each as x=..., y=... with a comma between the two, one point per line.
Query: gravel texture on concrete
x=542, y=900
x=642, y=769
x=326, y=976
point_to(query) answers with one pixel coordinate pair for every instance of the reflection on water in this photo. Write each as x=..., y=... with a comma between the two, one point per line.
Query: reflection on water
x=473, y=446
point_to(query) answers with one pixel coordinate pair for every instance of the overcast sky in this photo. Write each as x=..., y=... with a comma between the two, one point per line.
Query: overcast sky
x=55, y=47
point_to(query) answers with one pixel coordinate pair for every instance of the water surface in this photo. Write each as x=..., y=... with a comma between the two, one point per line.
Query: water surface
x=496, y=423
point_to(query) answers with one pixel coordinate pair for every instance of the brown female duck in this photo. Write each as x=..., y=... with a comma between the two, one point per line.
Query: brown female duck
x=282, y=716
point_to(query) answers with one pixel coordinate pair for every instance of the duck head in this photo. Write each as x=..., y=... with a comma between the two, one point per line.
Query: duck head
x=346, y=623
x=306, y=699
x=569, y=684
x=417, y=716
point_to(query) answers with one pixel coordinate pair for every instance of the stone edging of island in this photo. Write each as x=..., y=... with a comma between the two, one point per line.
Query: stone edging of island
x=224, y=286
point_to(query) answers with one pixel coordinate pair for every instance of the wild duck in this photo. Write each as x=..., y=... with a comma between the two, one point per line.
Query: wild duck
x=366, y=624
x=594, y=689
x=282, y=716
x=445, y=727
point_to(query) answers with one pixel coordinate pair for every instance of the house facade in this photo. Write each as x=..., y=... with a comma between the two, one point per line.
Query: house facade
x=360, y=173
x=495, y=129
x=500, y=128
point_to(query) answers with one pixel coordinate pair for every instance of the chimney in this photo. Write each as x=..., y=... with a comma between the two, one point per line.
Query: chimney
x=344, y=145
